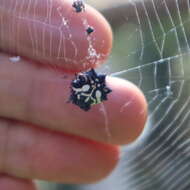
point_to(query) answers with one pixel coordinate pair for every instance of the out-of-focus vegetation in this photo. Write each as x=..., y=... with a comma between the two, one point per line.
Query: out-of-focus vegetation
x=99, y=4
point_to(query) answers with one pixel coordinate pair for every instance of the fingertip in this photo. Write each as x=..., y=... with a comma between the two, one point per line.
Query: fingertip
x=127, y=111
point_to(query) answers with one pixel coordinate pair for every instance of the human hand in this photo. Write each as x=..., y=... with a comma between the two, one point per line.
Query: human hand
x=43, y=136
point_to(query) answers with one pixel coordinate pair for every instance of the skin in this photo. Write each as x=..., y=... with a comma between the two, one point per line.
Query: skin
x=41, y=135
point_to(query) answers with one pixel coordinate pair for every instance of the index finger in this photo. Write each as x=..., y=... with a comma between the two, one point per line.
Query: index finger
x=53, y=32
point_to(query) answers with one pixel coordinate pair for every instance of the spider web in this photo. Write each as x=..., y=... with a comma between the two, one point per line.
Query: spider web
x=152, y=48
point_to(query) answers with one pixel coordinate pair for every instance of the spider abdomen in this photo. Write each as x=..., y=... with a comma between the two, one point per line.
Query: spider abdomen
x=88, y=89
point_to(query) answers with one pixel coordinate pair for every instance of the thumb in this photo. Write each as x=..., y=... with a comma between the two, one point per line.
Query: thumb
x=53, y=32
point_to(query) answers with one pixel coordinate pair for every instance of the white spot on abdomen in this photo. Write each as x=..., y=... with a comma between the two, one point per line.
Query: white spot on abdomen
x=85, y=88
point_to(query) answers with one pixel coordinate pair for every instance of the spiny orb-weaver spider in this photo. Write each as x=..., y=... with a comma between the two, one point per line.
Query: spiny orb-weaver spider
x=88, y=88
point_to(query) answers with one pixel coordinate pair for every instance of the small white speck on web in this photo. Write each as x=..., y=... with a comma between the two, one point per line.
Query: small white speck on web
x=14, y=59
x=65, y=21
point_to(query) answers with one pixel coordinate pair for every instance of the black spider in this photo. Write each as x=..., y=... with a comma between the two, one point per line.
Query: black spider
x=88, y=88
x=79, y=6
x=89, y=30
